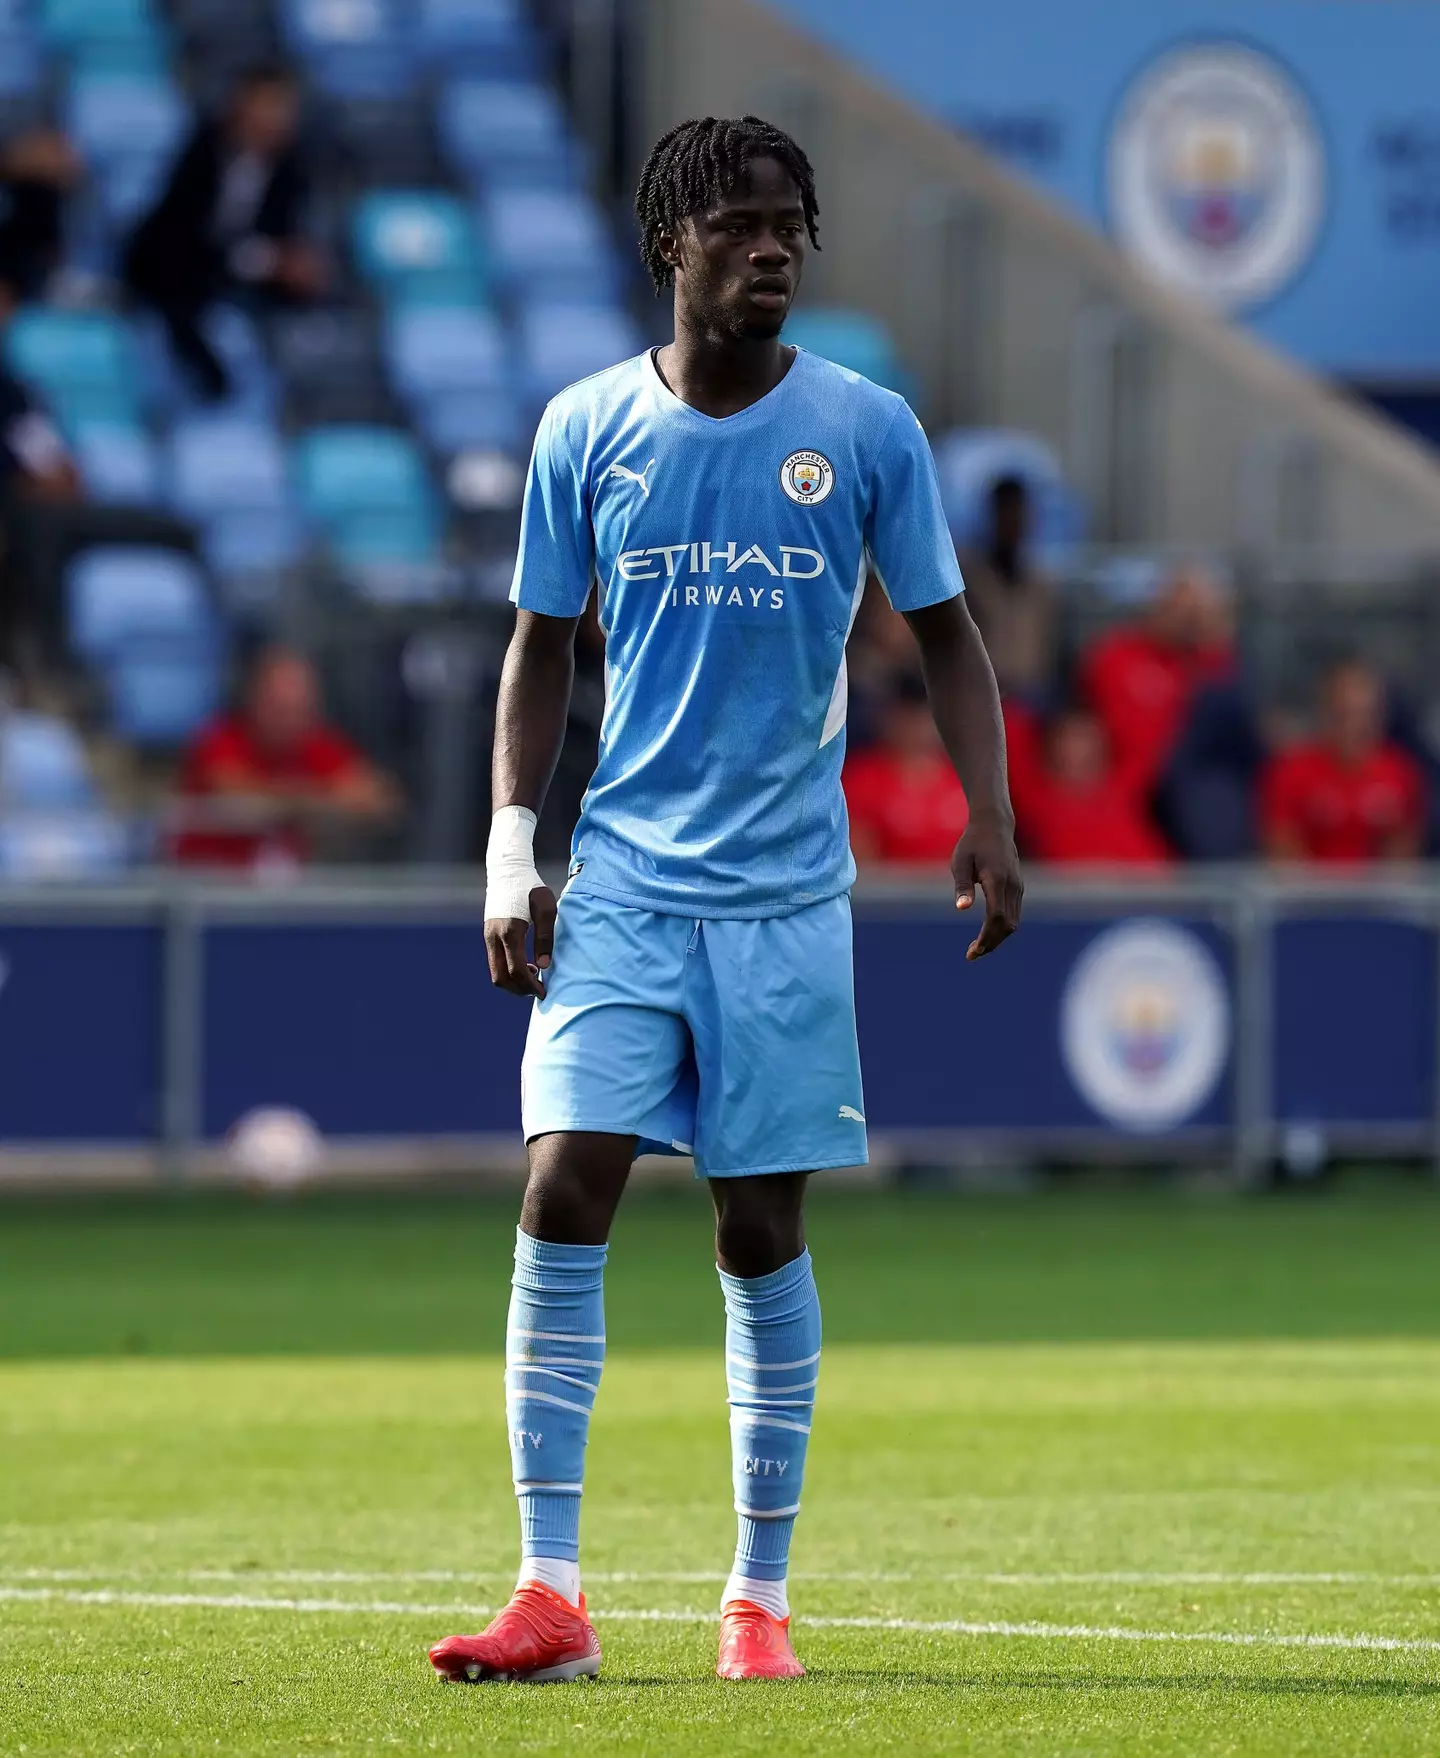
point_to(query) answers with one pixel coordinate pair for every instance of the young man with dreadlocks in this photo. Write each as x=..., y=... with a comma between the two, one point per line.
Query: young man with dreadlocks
x=728, y=496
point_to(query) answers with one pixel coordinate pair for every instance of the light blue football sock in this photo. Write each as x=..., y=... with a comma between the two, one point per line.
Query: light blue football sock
x=772, y=1363
x=554, y=1351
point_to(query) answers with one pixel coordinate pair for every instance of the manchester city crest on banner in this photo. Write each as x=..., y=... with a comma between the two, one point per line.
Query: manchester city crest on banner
x=1217, y=174
x=1145, y=1024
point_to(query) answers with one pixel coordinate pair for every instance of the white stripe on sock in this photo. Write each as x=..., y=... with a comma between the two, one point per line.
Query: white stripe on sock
x=772, y=1366
x=518, y=1394
x=557, y=1337
x=569, y=1378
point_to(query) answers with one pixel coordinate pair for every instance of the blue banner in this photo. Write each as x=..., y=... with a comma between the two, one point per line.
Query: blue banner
x=1354, y=1021
x=1124, y=1024
x=81, y=1033
x=370, y=1028
x=1279, y=159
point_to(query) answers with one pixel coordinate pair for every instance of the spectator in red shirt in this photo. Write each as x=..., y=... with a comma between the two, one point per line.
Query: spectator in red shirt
x=1078, y=808
x=258, y=783
x=1350, y=795
x=1140, y=678
x=905, y=801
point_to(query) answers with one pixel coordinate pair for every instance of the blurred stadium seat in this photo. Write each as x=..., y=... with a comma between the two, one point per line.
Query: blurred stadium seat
x=79, y=26
x=434, y=349
x=561, y=342
x=115, y=596
x=118, y=462
x=493, y=37
x=505, y=132
x=365, y=490
x=42, y=763
x=550, y=244
x=163, y=688
x=855, y=340
x=61, y=845
x=79, y=362
x=418, y=244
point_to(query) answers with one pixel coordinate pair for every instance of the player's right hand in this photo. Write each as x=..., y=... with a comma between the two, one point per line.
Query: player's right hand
x=505, y=939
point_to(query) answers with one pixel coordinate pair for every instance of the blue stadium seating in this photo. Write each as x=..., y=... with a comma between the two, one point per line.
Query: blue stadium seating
x=228, y=474
x=61, y=845
x=492, y=37
x=434, y=349
x=79, y=362
x=506, y=133
x=117, y=462
x=366, y=490
x=164, y=688
x=854, y=340
x=20, y=68
x=550, y=243
x=239, y=544
x=315, y=27
x=111, y=116
x=561, y=343
x=226, y=463
x=70, y=24
x=42, y=763
x=117, y=596
x=460, y=421
x=416, y=244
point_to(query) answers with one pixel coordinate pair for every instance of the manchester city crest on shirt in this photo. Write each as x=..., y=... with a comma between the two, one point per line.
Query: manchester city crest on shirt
x=807, y=477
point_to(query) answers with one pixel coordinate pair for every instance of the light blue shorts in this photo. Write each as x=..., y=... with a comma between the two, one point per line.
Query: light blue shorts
x=731, y=1040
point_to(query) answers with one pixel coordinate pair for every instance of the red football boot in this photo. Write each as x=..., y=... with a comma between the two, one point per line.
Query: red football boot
x=538, y=1639
x=755, y=1645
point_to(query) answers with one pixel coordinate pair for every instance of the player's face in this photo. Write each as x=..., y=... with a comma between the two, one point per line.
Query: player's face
x=737, y=266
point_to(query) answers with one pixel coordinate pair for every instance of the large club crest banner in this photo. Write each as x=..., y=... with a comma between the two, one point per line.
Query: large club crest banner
x=1278, y=160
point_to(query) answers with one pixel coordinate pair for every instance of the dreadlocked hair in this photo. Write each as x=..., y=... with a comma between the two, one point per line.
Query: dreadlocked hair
x=696, y=164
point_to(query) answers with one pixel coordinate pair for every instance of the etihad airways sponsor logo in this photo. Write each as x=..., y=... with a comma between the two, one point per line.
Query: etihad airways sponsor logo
x=666, y=561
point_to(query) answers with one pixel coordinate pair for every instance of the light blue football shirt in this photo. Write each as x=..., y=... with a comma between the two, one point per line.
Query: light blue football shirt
x=730, y=557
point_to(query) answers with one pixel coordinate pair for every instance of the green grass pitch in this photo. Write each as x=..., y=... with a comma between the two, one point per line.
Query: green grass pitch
x=1092, y=1474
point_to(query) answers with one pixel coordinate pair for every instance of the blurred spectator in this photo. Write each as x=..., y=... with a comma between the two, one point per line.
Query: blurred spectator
x=259, y=783
x=1350, y=794
x=35, y=467
x=905, y=801
x=33, y=460
x=1077, y=806
x=38, y=169
x=1141, y=678
x=1012, y=603
x=881, y=652
x=228, y=222
x=1205, y=800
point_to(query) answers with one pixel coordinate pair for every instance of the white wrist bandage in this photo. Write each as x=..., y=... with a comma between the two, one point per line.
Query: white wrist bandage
x=510, y=874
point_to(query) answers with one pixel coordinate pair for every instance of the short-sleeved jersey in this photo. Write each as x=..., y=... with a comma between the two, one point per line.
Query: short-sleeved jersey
x=730, y=556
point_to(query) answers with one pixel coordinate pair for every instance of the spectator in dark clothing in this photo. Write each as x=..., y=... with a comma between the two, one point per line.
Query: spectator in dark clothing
x=1350, y=794
x=35, y=468
x=1012, y=603
x=37, y=171
x=1205, y=800
x=228, y=222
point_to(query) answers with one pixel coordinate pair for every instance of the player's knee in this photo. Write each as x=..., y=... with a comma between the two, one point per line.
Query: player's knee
x=756, y=1235
x=571, y=1195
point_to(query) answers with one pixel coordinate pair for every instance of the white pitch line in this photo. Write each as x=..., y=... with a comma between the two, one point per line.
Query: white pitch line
x=910, y=1626
x=613, y=1577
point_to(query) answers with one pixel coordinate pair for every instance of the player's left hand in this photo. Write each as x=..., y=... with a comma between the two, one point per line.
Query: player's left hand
x=985, y=856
